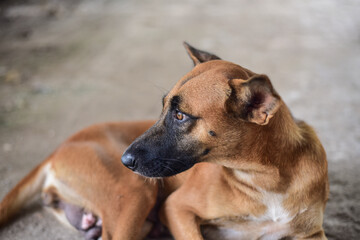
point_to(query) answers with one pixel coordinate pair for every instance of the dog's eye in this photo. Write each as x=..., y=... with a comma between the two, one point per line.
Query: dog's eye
x=180, y=116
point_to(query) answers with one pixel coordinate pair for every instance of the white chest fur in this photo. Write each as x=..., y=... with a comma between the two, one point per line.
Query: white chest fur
x=274, y=223
x=273, y=201
x=275, y=210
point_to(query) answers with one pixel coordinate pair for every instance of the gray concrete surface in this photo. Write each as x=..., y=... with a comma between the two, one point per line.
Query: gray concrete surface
x=67, y=64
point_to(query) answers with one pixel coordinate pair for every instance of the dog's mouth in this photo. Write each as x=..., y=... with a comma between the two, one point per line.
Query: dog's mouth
x=163, y=167
x=163, y=151
x=155, y=162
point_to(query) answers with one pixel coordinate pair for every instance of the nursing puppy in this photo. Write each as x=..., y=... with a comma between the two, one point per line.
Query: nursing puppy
x=256, y=172
x=87, y=187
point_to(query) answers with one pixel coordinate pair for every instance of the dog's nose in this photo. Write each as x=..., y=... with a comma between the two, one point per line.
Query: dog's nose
x=129, y=161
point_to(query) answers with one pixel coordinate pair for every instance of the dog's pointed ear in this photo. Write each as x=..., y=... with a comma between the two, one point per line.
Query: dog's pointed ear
x=199, y=56
x=253, y=100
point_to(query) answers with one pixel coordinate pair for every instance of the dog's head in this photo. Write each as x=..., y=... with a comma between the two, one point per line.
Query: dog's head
x=205, y=117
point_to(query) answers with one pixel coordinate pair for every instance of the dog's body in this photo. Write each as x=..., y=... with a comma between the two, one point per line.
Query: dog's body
x=269, y=180
x=259, y=174
x=84, y=183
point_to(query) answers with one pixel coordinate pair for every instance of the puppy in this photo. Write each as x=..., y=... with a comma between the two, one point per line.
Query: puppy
x=255, y=171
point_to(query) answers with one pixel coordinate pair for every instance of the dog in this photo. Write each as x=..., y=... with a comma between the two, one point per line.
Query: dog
x=255, y=172
x=87, y=187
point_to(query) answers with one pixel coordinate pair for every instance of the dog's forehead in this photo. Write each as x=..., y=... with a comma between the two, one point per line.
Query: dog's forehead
x=213, y=72
x=203, y=79
x=207, y=84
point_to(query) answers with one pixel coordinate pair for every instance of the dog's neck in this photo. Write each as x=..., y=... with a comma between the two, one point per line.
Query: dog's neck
x=266, y=150
x=274, y=141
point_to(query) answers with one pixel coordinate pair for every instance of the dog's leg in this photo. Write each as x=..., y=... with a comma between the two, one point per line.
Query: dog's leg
x=182, y=222
x=119, y=197
x=120, y=221
x=72, y=215
x=127, y=219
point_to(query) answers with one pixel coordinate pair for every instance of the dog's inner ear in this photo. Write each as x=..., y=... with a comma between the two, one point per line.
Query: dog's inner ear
x=199, y=56
x=253, y=100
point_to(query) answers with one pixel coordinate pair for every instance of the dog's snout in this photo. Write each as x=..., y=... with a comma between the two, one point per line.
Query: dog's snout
x=129, y=161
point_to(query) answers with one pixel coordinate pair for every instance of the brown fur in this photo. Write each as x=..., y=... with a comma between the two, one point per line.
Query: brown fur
x=88, y=172
x=261, y=155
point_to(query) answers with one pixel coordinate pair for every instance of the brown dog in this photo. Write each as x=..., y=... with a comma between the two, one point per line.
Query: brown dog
x=86, y=185
x=269, y=180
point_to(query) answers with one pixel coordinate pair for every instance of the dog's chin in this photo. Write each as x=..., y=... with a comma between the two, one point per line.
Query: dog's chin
x=162, y=170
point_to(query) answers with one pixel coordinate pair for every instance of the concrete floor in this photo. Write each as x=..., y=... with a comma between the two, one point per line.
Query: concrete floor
x=67, y=64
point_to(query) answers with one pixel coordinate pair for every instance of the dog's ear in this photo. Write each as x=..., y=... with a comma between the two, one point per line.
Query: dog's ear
x=199, y=56
x=253, y=100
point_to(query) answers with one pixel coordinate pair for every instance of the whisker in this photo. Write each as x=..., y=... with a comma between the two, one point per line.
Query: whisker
x=174, y=160
x=168, y=159
x=167, y=167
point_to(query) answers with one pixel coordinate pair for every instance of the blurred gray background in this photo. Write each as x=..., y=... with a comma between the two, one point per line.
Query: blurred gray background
x=67, y=64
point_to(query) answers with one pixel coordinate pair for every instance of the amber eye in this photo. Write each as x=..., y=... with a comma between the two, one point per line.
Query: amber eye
x=179, y=116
